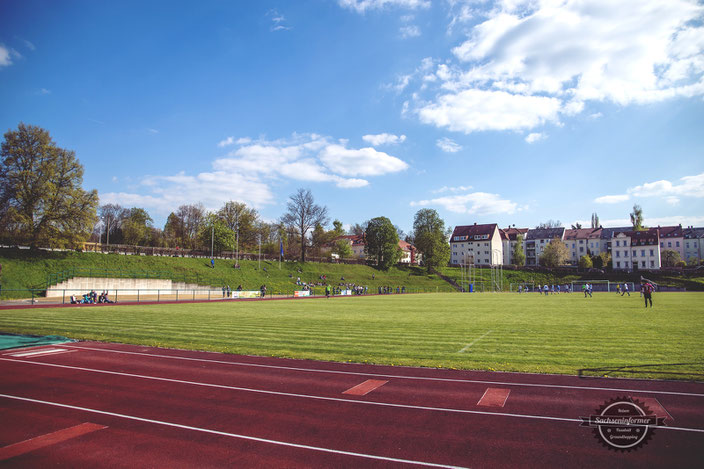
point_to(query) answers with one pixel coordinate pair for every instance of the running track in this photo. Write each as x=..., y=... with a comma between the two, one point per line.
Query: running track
x=91, y=404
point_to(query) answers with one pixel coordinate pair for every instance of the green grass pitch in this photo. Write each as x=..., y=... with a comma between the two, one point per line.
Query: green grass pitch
x=483, y=331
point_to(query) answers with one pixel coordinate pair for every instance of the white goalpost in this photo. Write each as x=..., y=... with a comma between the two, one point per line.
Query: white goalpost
x=603, y=285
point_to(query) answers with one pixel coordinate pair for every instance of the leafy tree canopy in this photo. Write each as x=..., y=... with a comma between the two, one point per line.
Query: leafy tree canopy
x=431, y=238
x=381, y=242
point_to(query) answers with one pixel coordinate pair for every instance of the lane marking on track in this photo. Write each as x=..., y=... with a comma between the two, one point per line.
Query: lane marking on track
x=49, y=439
x=365, y=388
x=466, y=347
x=231, y=435
x=654, y=405
x=34, y=353
x=381, y=375
x=319, y=398
x=494, y=397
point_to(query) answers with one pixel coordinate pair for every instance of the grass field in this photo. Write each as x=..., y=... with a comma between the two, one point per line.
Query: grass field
x=507, y=332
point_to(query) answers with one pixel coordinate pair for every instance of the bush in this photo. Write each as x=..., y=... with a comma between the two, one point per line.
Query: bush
x=585, y=262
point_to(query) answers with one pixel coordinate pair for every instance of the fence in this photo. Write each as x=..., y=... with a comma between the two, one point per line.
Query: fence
x=37, y=297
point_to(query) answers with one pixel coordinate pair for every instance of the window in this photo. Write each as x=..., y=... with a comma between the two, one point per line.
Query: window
x=618, y=253
x=662, y=245
x=686, y=245
x=581, y=241
x=581, y=249
x=642, y=264
x=625, y=242
x=652, y=253
x=635, y=254
x=618, y=243
x=642, y=253
x=454, y=245
x=677, y=243
x=669, y=244
x=652, y=263
x=618, y=264
x=625, y=264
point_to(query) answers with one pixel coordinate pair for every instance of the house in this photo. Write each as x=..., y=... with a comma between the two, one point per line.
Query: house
x=578, y=241
x=693, y=240
x=636, y=250
x=409, y=255
x=672, y=239
x=537, y=239
x=476, y=244
x=508, y=240
x=356, y=243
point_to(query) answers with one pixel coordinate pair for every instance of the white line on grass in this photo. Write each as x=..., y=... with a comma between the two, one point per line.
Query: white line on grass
x=320, y=398
x=381, y=375
x=231, y=435
x=466, y=347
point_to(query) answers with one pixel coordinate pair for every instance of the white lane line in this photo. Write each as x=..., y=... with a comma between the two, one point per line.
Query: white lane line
x=320, y=398
x=466, y=347
x=381, y=375
x=48, y=351
x=231, y=435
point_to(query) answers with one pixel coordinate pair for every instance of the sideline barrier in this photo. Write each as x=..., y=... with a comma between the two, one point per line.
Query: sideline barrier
x=300, y=293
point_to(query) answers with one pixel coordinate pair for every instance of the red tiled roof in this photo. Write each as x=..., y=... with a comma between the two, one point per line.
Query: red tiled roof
x=470, y=232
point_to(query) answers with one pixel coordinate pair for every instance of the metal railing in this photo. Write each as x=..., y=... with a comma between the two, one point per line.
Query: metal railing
x=39, y=297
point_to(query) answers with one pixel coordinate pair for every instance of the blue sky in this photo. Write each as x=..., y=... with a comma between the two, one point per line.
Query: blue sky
x=509, y=112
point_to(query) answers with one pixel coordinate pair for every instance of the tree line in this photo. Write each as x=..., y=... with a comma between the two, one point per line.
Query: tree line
x=43, y=204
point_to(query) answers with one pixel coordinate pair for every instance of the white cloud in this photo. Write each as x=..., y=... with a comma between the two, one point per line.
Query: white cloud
x=360, y=162
x=226, y=142
x=475, y=110
x=43, y=91
x=561, y=55
x=452, y=189
x=612, y=199
x=278, y=21
x=409, y=31
x=691, y=186
x=361, y=6
x=152, y=131
x=535, y=137
x=7, y=54
x=384, y=139
x=29, y=45
x=476, y=203
x=448, y=145
x=671, y=220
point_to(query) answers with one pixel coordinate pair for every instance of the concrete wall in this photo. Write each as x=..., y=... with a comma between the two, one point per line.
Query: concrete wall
x=80, y=285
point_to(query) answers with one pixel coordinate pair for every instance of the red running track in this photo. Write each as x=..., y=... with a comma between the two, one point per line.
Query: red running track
x=107, y=405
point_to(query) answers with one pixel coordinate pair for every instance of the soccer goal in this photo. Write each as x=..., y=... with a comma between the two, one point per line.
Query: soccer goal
x=602, y=285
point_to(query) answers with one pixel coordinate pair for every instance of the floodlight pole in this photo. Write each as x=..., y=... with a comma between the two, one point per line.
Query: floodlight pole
x=237, y=237
x=260, y=251
x=212, y=240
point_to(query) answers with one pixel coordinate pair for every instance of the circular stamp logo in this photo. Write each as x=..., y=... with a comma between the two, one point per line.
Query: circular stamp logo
x=623, y=424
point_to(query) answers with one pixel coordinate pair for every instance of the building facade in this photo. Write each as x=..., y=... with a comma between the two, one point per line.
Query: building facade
x=476, y=244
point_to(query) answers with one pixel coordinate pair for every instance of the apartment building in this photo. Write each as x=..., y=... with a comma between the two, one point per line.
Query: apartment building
x=578, y=241
x=693, y=244
x=476, y=244
x=636, y=250
x=537, y=239
x=672, y=239
x=508, y=241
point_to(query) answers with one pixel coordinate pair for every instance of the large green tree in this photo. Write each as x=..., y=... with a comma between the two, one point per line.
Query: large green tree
x=243, y=221
x=137, y=228
x=42, y=202
x=555, y=254
x=670, y=258
x=214, y=232
x=431, y=238
x=381, y=242
x=519, y=257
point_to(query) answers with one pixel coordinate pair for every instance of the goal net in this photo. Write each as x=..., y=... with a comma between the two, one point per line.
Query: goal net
x=603, y=285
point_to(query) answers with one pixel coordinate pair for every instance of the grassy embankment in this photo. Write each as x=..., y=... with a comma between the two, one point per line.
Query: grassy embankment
x=23, y=270
x=489, y=331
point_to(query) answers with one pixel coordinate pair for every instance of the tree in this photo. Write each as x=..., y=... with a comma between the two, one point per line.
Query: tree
x=357, y=229
x=241, y=220
x=519, y=257
x=577, y=226
x=595, y=220
x=555, y=254
x=430, y=238
x=111, y=217
x=304, y=214
x=342, y=248
x=136, y=229
x=381, y=242
x=670, y=258
x=637, y=218
x=191, y=217
x=601, y=260
x=41, y=198
x=213, y=230
x=550, y=224
x=585, y=262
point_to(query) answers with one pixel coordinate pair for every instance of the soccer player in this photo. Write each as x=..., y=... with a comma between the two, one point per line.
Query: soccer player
x=648, y=289
x=625, y=290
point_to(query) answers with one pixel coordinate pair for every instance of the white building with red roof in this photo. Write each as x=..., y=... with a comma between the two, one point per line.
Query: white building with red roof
x=476, y=244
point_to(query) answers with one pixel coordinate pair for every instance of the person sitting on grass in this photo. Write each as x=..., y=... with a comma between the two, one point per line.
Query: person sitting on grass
x=73, y=300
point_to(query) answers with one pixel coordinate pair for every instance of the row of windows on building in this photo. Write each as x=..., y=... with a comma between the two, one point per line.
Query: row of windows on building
x=626, y=264
x=635, y=253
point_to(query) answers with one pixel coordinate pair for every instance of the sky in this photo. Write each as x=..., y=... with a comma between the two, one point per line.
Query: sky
x=511, y=111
